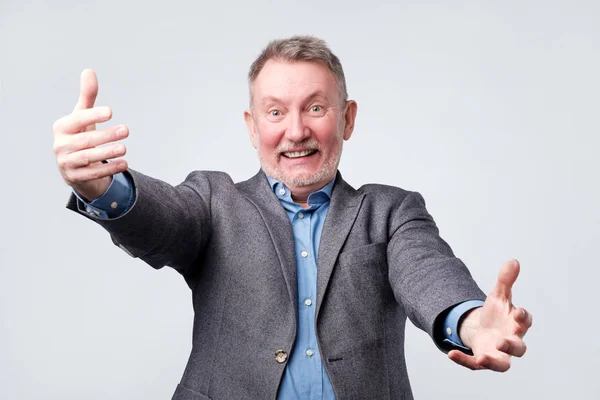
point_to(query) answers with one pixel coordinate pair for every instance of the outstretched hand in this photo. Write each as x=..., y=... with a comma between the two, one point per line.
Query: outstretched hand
x=78, y=145
x=495, y=331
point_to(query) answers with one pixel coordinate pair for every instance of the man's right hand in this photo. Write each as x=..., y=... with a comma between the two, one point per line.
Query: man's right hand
x=76, y=140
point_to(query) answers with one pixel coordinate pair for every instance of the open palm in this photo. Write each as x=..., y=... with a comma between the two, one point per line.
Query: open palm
x=495, y=331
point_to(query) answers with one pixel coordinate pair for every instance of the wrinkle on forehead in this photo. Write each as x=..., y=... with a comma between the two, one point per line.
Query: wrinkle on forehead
x=296, y=81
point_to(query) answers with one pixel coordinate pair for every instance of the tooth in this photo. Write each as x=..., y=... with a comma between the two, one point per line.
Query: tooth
x=295, y=154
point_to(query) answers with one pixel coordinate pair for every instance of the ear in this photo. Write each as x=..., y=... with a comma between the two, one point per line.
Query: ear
x=252, y=132
x=349, y=117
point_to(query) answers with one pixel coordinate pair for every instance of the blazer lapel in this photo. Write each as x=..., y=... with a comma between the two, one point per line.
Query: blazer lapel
x=259, y=192
x=343, y=209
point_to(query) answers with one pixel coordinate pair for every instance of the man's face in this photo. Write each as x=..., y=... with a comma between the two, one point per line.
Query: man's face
x=298, y=123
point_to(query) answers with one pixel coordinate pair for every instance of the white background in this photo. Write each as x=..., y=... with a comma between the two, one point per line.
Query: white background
x=489, y=109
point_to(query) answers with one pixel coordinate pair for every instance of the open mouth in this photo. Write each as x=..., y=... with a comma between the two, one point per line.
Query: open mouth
x=298, y=154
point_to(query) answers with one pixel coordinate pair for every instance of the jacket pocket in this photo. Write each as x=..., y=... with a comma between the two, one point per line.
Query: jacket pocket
x=182, y=393
x=374, y=253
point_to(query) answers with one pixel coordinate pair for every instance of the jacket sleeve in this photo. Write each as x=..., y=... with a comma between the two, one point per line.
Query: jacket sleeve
x=424, y=273
x=166, y=225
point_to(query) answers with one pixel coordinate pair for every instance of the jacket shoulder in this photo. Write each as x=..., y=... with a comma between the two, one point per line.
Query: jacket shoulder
x=387, y=194
x=217, y=177
x=211, y=182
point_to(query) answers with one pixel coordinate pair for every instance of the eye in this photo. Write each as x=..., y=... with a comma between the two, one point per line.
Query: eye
x=275, y=113
x=316, y=109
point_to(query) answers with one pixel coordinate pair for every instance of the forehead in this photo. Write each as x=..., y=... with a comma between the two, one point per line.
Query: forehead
x=293, y=80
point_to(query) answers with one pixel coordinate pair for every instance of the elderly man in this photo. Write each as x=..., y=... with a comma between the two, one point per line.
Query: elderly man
x=301, y=285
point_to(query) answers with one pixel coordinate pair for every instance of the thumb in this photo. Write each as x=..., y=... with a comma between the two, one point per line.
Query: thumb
x=88, y=90
x=506, y=279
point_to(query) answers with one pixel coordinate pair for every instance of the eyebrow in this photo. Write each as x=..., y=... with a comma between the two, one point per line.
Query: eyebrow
x=312, y=96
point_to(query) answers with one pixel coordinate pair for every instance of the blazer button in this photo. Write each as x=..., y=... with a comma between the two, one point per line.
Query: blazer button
x=280, y=356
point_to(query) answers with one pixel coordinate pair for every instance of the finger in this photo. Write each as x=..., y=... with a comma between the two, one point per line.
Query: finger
x=506, y=278
x=523, y=320
x=86, y=157
x=512, y=346
x=78, y=120
x=95, y=171
x=492, y=363
x=88, y=90
x=463, y=359
x=92, y=139
x=523, y=317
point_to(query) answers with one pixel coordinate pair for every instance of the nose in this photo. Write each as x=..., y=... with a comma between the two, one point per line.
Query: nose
x=297, y=130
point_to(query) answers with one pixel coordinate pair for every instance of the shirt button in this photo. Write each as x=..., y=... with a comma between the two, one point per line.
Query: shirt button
x=114, y=204
x=307, y=302
x=300, y=215
x=304, y=253
x=449, y=331
x=282, y=191
x=309, y=352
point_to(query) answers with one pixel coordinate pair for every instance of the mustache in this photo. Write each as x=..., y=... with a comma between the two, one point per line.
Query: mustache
x=308, y=144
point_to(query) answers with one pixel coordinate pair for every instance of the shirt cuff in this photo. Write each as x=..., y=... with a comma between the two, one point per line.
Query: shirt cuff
x=114, y=202
x=453, y=320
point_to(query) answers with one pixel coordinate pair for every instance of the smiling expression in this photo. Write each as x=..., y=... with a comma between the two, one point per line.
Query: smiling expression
x=297, y=123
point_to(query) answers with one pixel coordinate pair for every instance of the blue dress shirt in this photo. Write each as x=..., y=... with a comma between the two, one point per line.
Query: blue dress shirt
x=116, y=201
x=304, y=376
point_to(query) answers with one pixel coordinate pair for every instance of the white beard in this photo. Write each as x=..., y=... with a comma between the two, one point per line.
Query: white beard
x=301, y=179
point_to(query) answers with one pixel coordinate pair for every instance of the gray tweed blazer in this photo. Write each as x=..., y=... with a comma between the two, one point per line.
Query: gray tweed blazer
x=380, y=261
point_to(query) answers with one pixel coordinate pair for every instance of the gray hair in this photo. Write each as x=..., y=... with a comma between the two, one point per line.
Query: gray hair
x=300, y=48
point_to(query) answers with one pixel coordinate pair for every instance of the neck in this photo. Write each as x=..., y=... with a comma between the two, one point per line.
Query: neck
x=303, y=204
x=300, y=194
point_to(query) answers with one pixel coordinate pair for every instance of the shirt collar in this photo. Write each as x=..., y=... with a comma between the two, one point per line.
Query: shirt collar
x=321, y=196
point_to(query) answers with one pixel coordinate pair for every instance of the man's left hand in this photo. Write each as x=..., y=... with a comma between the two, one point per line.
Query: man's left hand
x=495, y=331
